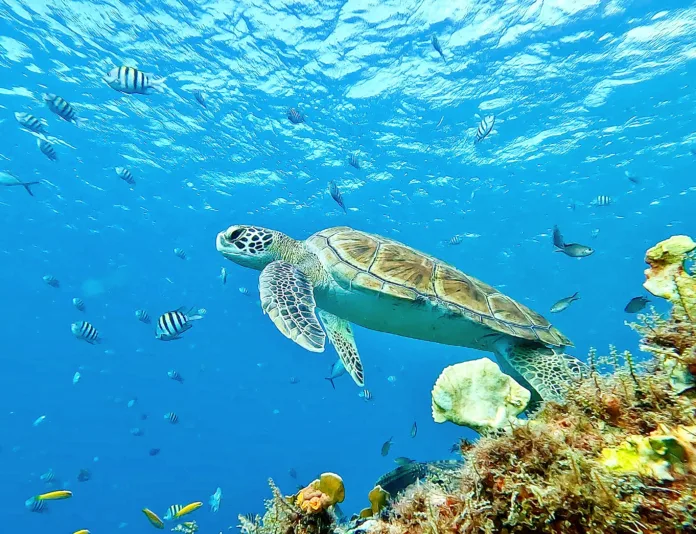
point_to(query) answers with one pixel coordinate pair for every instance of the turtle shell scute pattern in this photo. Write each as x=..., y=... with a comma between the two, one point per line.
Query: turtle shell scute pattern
x=376, y=264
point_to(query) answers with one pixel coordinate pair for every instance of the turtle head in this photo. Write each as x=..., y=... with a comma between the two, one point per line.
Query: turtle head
x=249, y=246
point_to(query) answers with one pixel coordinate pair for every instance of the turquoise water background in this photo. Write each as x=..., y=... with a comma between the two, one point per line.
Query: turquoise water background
x=583, y=92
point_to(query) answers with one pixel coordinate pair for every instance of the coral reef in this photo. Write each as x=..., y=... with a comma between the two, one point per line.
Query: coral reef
x=310, y=511
x=617, y=455
x=477, y=394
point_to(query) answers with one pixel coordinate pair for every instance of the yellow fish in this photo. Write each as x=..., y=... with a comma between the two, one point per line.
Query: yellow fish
x=83, y=531
x=188, y=509
x=54, y=495
x=153, y=519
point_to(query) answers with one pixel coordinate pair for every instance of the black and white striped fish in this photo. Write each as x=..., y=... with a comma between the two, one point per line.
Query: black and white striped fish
x=51, y=280
x=142, y=316
x=456, y=240
x=172, y=511
x=125, y=175
x=85, y=331
x=49, y=477
x=601, y=201
x=79, y=303
x=180, y=253
x=365, y=394
x=172, y=417
x=484, y=128
x=174, y=375
x=130, y=80
x=295, y=116
x=62, y=108
x=353, y=161
x=47, y=149
x=172, y=324
x=336, y=195
x=35, y=505
x=199, y=98
x=31, y=123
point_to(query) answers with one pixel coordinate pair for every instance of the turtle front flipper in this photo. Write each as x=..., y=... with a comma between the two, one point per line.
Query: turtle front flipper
x=546, y=372
x=341, y=336
x=287, y=296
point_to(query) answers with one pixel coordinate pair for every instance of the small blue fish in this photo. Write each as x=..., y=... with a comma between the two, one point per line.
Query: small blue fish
x=199, y=98
x=51, y=280
x=337, y=369
x=142, y=316
x=438, y=47
x=215, y=499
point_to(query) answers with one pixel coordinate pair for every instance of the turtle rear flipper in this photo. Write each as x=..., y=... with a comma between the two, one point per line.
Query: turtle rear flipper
x=546, y=372
x=287, y=297
x=341, y=336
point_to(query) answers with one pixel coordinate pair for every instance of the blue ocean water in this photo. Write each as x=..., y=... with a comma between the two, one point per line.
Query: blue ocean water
x=586, y=95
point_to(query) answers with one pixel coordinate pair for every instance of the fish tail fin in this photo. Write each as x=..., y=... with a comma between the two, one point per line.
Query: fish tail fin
x=332, y=382
x=27, y=186
x=80, y=122
x=576, y=295
x=159, y=84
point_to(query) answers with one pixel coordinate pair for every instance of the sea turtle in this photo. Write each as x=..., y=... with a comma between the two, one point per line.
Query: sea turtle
x=378, y=283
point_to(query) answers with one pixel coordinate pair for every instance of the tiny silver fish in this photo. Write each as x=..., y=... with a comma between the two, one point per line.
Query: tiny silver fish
x=564, y=303
x=414, y=430
x=223, y=276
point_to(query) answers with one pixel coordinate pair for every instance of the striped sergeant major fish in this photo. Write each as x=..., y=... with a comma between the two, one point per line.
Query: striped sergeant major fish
x=85, y=331
x=365, y=394
x=125, y=175
x=172, y=511
x=35, y=505
x=51, y=280
x=142, y=316
x=335, y=193
x=180, y=253
x=295, y=116
x=62, y=108
x=31, y=123
x=174, y=375
x=484, y=128
x=601, y=201
x=79, y=304
x=353, y=161
x=130, y=80
x=172, y=324
x=47, y=149
x=171, y=417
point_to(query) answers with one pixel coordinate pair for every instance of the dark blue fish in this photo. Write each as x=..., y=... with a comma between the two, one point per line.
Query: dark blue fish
x=84, y=475
x=438, y=47
x=154, y=452
x=336, y=195
x=295, y=116
x=353, y=161
x=636, y=304
x=199, y=98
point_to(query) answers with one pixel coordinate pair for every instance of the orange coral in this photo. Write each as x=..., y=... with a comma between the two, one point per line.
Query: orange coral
x=311, y=500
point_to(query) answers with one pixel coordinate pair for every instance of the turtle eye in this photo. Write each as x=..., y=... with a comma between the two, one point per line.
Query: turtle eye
x=235, y=235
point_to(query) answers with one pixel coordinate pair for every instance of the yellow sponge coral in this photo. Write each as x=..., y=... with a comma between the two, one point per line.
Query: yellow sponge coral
x=378, y=501
x=321, y=494
x=666, y=277
x=662, y=455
